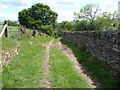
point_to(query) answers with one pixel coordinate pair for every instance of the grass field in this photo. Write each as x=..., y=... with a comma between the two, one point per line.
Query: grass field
x=25, y=70
x=63, y=74
x=9, y=44
x=1, y=27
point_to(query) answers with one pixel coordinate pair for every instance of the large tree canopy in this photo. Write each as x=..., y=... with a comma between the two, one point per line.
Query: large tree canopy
x=37, y=16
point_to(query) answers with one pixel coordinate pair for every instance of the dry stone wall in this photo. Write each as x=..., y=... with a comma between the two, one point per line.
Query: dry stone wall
x=103, y=44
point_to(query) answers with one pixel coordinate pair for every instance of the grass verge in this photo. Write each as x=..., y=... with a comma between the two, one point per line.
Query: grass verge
x=0, y=64
x=101, y=72
x=37, y=39
x=25, y=70
x=63, y=74
x=9, y=44
x=1, y=27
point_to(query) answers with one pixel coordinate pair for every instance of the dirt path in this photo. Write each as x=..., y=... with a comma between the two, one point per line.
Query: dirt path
x=76, y=64
x=46, y=80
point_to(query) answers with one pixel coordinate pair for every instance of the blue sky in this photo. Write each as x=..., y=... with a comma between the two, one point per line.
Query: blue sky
x=65, y=8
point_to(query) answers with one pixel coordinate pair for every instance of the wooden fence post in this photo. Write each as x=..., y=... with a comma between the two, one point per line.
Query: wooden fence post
x=34, y=32
x=6, y=29
x=119, y=17
x=6, y=32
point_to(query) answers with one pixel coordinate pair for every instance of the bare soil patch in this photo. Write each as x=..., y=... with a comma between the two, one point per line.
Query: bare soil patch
x=46, y=80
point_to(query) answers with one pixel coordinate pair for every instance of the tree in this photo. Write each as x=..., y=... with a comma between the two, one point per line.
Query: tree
x=81, y=25
x=89, y=19
x=66, y=26
x=37, y=16
x=69, y=26
x=62, y=27
x=88, y=12
x=87, y=16
x=48, y=29
x=106, y=21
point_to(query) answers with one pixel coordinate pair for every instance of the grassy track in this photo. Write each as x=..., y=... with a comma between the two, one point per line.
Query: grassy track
x=63, y=74
x=102, y=73
x=25, y=70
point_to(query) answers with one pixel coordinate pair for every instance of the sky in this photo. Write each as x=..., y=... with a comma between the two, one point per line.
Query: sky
x=65, y=8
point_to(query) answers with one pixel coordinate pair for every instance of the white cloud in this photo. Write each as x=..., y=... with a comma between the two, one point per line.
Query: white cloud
x=17, y=3
x=109, y=6
x=68, y=2
x=62, y=3
x=64, y=15
x=5, y=0
x=105, y=5
x=8, y=16
x=2, y=7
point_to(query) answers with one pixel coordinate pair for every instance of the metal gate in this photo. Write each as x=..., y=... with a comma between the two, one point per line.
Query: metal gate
x=13, y=32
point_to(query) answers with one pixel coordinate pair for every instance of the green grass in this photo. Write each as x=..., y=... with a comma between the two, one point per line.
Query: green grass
x=101, y=72
x=29, y=31
x=0, y=60
x=63, y=74
x=56, y=40
x=8, y=44
x=0, y=44
x=38, y=39
x=45, y=39
x=12, y=28
x=1, y=27
x=26, y=69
